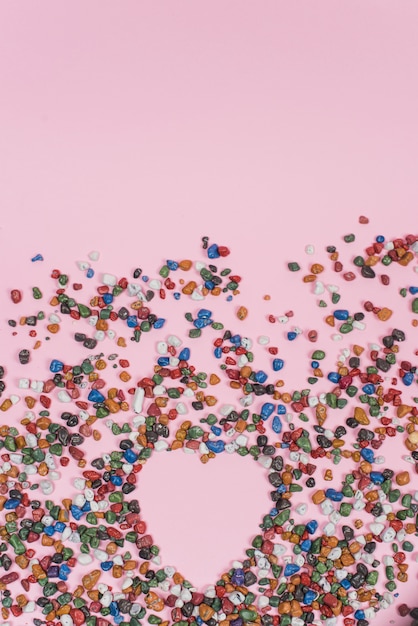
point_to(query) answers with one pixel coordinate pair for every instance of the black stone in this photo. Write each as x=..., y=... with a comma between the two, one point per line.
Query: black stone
x=368, y=272
x=398, y=335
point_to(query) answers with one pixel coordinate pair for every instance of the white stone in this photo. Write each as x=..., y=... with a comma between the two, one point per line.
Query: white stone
x=138, y=399
x=84, y=559
x=263, y=340
x=109, y=279
x=389, y=535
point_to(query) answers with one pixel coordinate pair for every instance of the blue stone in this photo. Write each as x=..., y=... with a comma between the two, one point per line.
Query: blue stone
x=218, y=353
x=12, y=503
x=281, y=409
x=277, y=425
x=132, y=321
x=377, y=478
x=334, y=377
x=341, y=314
x=367, y=454
x=159, y=323
x=106, y=565
x=56, y=366
x=130, y=456
x=368, y=389
x=213, y=252
x=408, y=379
x=204, y=313
x=306, y=544
x=290, y=569
x=163, y=361
x=335, y=496
x=90, y=273
x=315, y=365
x=278, y=364
x=216, y=430
x=312, y=526
x=261, y=376
x=172, y=265
x=291, y=335
x=107, y=298
x=184, y=354
x=95, y=396
x=309, y=597
x=116, y=480
x=202, y=322
x=216, y=446
x=76, y=512
x=266, y=410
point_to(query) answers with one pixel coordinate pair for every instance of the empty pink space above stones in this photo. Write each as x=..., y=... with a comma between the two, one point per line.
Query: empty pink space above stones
x=208, y=521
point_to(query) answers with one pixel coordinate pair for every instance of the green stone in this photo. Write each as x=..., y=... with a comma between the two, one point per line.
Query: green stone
x=257, y=542
x=372, y=577
x=346, y=328
x=56, y=449
x=293, y=266
x=304, y=444
x=17, y=545
x=194, y=432
x=87, y=367
x=414, y=305
x=407, y=546
x=318, y=355
x=248, y=616
x=349, y=238
x=83, y=310
x=282, y=517
x=194, y=333
x=406, y=500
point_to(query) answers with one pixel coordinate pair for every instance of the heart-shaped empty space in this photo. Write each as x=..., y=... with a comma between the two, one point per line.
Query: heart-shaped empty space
x=202, y=516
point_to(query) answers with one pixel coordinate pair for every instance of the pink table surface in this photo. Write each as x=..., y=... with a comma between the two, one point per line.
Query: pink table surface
x=137, y=128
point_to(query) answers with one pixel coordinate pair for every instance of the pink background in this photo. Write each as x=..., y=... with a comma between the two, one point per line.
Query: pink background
x=137, y=128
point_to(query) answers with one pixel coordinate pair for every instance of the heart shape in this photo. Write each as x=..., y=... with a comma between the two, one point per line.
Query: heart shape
x=202, y=515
